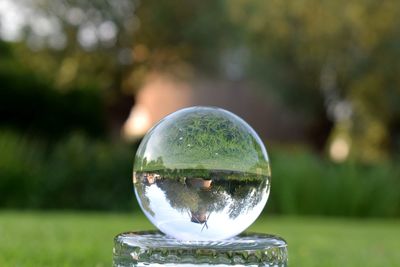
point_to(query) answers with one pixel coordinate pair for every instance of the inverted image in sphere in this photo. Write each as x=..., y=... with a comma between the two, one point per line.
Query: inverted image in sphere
x=202, y=173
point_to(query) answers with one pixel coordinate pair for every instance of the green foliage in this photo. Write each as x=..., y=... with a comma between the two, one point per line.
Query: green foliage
x=81, y=174
x=176, y=32
x=318, y=56
x=324, y=55
x=76, y=174
x=20, y=170
x=31, y=104
x=334, y=62
x=303, y=183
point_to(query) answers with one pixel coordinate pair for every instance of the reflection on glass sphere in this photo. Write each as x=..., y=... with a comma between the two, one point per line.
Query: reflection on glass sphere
x=202, y=173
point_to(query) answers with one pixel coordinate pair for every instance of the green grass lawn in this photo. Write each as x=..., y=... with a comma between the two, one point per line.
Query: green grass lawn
x=86, y=239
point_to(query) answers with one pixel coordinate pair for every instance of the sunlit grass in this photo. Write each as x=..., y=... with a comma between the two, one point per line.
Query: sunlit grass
x=86, y=239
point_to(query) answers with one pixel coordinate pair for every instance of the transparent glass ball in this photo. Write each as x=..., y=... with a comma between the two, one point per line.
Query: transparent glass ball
x=202, y=173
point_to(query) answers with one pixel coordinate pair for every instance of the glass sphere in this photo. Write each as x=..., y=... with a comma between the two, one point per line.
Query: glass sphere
x=201, y=173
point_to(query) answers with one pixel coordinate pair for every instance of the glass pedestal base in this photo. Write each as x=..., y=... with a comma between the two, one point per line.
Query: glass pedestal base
x=153, y=248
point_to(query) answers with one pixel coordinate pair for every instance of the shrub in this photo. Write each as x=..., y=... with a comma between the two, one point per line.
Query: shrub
x=303, y=183
x=82, y=173
x=76, y=173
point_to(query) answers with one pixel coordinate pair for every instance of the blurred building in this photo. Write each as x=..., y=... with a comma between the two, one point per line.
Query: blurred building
x=162, y=95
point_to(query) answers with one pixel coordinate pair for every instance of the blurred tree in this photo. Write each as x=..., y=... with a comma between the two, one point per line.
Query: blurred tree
x=73, y=45
x=182, y=37
x=29, y=103
x=329, y=60
x=338, y=56
x=336, y=61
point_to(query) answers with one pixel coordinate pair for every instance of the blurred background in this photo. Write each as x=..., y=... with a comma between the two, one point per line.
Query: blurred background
x=82, y=81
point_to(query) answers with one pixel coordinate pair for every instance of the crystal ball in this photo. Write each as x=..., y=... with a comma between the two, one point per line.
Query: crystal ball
x=201, y=173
